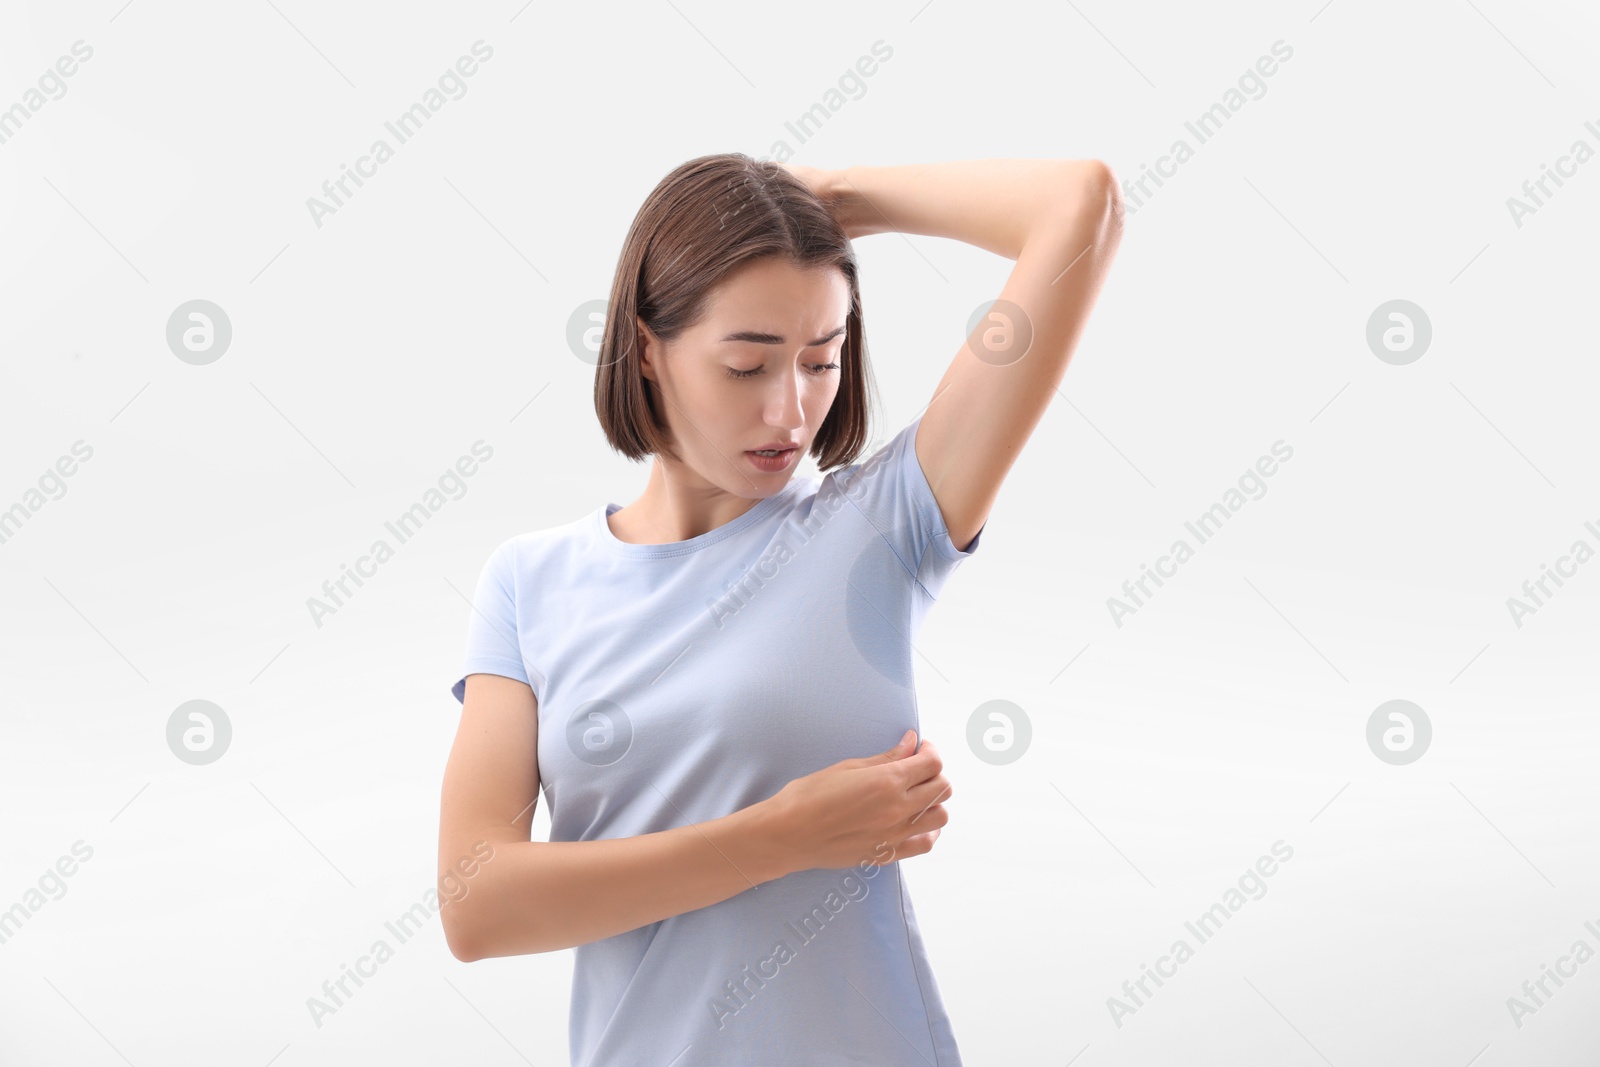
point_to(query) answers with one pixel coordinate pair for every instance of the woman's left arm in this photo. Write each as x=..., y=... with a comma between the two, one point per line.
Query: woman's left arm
x=1062, y=221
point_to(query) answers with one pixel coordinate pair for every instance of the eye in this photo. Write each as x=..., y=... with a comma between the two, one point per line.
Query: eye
x=817, y=370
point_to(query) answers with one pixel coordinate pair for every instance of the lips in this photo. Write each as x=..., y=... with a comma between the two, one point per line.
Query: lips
x=774, y=463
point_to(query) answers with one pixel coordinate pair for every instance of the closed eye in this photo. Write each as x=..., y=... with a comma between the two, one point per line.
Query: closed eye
x=817, y=369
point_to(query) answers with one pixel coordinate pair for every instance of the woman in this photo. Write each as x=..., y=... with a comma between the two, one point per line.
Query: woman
x=714, y=685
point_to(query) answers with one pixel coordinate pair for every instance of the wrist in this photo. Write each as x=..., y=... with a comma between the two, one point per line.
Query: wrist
x=839, y=184
x=856, y=215
x=766, y=841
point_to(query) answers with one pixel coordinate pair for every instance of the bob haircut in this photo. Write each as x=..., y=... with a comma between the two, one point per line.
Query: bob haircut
x=704, y=220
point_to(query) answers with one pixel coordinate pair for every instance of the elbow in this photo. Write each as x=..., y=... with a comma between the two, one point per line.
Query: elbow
x=1101, y=193
x=458, y=936
x=1086, y=202
x=468, y=943
x=1091, y=196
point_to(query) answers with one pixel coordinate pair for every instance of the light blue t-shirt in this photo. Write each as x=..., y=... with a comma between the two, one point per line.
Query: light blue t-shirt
x=680, y=682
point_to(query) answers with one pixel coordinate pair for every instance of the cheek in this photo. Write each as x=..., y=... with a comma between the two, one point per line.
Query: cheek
x=824, y=390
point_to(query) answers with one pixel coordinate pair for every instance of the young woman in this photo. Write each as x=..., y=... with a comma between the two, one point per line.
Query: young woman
x=713, y=685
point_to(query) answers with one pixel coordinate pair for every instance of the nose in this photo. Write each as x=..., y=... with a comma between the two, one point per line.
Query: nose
x=784, y=410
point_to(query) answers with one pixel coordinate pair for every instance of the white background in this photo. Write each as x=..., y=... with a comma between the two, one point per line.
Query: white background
x=431, y=311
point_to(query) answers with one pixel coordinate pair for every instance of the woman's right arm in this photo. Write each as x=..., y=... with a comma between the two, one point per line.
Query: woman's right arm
x=503, y=894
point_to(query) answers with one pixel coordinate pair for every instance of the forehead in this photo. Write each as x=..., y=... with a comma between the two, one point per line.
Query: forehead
x=773, y=288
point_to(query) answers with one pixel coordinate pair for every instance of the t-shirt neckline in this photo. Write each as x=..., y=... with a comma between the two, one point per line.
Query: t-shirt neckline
x=694, y=544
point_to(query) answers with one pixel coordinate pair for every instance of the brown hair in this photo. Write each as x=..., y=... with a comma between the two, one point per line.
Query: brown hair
x=706, y=219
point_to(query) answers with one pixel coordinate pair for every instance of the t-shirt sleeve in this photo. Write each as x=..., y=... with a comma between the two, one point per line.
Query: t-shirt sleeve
x=492, y=642
x=893, y=493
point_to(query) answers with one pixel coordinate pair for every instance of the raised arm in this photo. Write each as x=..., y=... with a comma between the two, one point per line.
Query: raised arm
x=1061, y=220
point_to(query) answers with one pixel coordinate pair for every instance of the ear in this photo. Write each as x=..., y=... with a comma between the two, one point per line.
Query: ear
x=649, y=349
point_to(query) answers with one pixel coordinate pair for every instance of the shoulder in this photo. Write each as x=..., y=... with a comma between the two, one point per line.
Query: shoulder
x=522, y=554
x=879, y=471
x=884, y=450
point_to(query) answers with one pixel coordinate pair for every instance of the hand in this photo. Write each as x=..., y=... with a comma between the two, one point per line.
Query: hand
x=815, y=178
x=873, y=809
x=831, y=188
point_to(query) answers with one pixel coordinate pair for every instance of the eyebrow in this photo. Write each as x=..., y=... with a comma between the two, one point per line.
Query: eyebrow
x=757, y=337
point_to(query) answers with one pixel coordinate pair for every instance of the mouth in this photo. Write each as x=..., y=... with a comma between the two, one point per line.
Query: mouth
x=772, y=460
